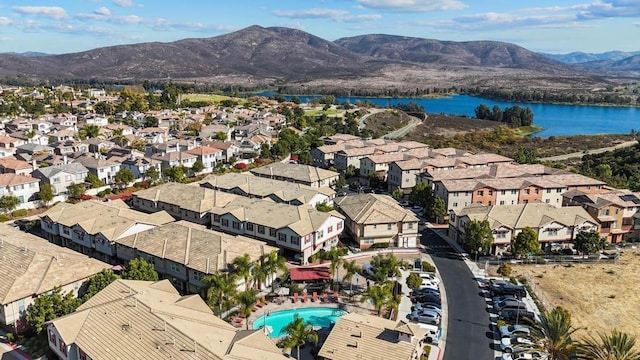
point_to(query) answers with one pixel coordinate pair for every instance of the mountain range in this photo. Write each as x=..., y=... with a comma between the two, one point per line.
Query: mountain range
x=277, y=54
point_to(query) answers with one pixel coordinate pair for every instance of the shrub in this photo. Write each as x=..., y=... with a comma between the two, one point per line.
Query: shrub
x=504, y=269
x=240, y=166
x=104, y=193
x=513, y=280
x=501, y=323
x=4, y=217
x=85, y=197
x=428, y=267
x=20, y=212
x=380, y=246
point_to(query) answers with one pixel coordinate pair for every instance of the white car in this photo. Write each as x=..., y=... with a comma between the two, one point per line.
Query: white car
x=526, y=355
x=508, y=331
x=429, y=284
x=425, y=317
x=429, y=276
x=421, y=307
x=516, y=344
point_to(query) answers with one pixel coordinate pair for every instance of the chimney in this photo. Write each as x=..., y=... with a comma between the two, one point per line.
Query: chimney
x=64, y=160
x=34, y=165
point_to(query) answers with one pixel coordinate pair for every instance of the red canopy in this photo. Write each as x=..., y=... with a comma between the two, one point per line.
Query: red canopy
x=309, y=273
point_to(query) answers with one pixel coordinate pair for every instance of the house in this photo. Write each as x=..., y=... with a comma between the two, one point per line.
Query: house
x=552, y=224
x=65, y=119
x=361, y=336
x=246, y=184
x=140, y=165
x=615, y=210
x=97, y=120
x=61, y=176
x=104, y=169
x=8, y=145
x=67, y=147
x=377, y=220
x=62, y=135
x=229, y=149
x=12, y=166
x=23, y=187
x=126, y=130
x=184, y=252
x=298, y=173
x=299, y=230
x=97, y=145
x=92, y=227
x=31, y=266
x=34, y=149
x=132, y=319
x=402, y=174
x=378, y=165
x=208, y=156
x=176, y=158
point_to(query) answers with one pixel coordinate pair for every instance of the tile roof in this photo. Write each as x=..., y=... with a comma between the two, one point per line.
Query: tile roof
x=373, y=209
x=11, y=179
x=149, y=320
x=73, y=168
x=10, y=163
x=304, y=173
x=190, y=197
x=31, y=265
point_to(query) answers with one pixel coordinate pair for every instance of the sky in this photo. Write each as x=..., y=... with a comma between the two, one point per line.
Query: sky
x=560, y=26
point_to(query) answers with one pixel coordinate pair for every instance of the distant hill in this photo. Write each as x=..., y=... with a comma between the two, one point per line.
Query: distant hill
x=582, y=57
x=28, y=54
x=627, y=67
x=470, y=53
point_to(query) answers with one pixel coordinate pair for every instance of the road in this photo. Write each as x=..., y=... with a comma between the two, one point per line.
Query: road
x=398, y=133
x=594, y=151
x=469, y=334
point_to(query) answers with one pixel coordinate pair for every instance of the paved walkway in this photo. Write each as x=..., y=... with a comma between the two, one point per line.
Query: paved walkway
x=594, y=151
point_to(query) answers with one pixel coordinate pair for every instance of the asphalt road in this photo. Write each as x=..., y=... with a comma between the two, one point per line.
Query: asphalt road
x=469, y=334
x=594, y=151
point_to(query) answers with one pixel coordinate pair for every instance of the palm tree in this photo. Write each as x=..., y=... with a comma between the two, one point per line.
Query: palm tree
x=379, y=295
x=247, y=299
x=221, y=287
x=298, y=332
x=554, y=334
x=242, y=266
x=274, y=263
x=615, y=346
x=259, y=273
x=336, y=261
x=351, y=269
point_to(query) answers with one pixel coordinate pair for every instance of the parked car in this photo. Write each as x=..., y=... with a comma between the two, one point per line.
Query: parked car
x=427, y=298
x=526, y=355
x=424, y=291
x=511, y=330
x=508, y=289
x=513, y=316
x=427, y=284
x=516, y=344
x=498, y=299
x=427, y=306
x=510, y=305
x=404, y=203
x=433, y=333
x=425, y=317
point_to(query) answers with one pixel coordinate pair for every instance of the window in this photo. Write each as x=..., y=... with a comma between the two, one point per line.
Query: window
x=500, y=235
x=339, y=226
x=548, y=191
x=307, y=239
x=83, y=356
x=501, y=202
x=282, y=237
x=295, y=240
x=375, y=226
x=548, y=201
x=553, y=232
x=63, y=347
x=480, y=193
x=330, y=229
x=605, y=212
x=513, y=192
x=455, y=204
x=367, y=241
x=197, y=276
x=410, y=225
x=249, y=227
x=216, y=218
x=235, y=225
x=272, y=232
x=537, y=191
x=320, y=234
x=175, y=268
x=527, y=191
x=490, y=192
x=52, y=338
x=225, y=222
x=260, y=229
x=503, y=192
x=455, y=194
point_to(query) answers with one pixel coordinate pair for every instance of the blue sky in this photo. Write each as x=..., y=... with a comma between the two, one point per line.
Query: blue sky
x=62, y=26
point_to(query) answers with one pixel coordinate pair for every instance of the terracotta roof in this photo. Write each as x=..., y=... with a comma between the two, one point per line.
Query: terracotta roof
x=309, y=273
x=9, y=163
x=13, y=179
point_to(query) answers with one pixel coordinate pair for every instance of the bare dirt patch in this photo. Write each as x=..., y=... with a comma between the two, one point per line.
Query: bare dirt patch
x=601, y=296
x=387, y=121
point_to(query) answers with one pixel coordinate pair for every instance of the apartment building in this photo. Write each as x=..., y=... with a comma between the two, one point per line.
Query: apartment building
x=379, y=164
x=150, y=320
x=184, y=252
x=377, y=220
x=297, y=173
x=209, y=156
x=552, y=224
x=31, y=266
x=104, y=169
x=298, y=230
x=615, y=210
x=402, y=174
x=61, y=176
x=246, y=184
x=92, y=227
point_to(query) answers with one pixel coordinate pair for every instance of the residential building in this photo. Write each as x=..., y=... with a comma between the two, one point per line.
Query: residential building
x=297, y=173
x=360, y=336
x=8, y=145
x=379, y=164
x=552, y=224
x=298, y=230
x=12, y=166
x=246, y=184
x=402, y=174
x=140, y=165
x=92, y=227
x=104, y=169
x=209, y=156
x=31, y=266
x=132, y=319
x=229, y=149
x=187, y=202
x=184, y=252
x=23, y=187
x=344, y=159
x=377, y=220
x=175, y=158
x=616, y=212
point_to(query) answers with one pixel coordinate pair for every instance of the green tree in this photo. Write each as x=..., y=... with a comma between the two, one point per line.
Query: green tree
x=504, y=269
x=554, y=334
x=324, y=207
x=150, y=121
x=588, y=242
x=274, y=263
x=298, y=333
x=49, y=306
x=422, y=195
x=220, y=135
x=152, y=174
x=437, y=208
x=385, y=266
x=526, y=156
x=75, y=191
x=140, y=269
x=380, y=296
x=526, y=242
x=46, y=193
x=335, y=255
x=478, y=235
x=123, y=177
x=9, y=203
x=94, y=180
x=414, y=281
x=221, y=287
x=615, y=346
x=175, y=174
x=397, y=194
x=242, y=266
x=351, y=269
x=247, y=300
x=89, y=131
x=259, y=273
x=197, y=167
x=96, y=283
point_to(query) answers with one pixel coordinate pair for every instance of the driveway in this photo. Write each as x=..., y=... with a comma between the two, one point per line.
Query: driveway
x=469, y=334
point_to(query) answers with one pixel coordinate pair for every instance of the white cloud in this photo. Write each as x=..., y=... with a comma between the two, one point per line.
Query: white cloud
x=611, y=9
x=124, y=3
x=101, y=13
x=52, y=12
x=413, y=5
x=360, y=18
x=494, y=20
x=126, y=19
x=104, y=11
x=162, y=24
x=6, y=38
x=315, y=13
x=4, y=21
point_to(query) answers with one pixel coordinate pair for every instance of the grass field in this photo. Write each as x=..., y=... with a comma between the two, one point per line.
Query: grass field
x=205, y=97
x=600, y=296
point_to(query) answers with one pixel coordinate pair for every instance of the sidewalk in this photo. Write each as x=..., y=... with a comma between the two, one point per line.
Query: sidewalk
x=404, y=309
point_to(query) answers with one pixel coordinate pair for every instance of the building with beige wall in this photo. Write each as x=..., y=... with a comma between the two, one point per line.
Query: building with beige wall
x=31, y=266
x=297, y=173
x=377, y=220
x=150, y=320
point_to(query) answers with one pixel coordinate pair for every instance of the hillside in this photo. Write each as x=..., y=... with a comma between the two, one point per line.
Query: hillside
x=627, y=67
x=582, y=57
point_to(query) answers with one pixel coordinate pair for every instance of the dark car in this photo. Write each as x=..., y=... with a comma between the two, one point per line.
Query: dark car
x=427, y=298
x=508, y=289
x=519, y=316
x=425, y=291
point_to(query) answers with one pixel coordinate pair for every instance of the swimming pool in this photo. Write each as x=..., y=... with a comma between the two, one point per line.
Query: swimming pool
x=318, y=316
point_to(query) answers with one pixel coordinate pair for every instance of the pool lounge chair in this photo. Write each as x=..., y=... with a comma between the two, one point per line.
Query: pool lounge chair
x=259, y=304
x=265, y=301
x=325, y=297
x=335, y=295
x=295, y=298
x=237, y=324
x=305, y=298
x=315, y=297
x=235, y=318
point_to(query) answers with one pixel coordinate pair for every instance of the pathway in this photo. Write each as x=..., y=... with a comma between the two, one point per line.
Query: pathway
x=594, y=151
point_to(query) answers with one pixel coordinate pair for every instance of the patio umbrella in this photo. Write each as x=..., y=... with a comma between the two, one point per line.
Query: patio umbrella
x=282, y=291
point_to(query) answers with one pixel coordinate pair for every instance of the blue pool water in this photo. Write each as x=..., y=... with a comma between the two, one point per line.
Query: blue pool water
x=318, y=316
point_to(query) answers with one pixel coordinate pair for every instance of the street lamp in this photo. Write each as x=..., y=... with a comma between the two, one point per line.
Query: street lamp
x=477, y=252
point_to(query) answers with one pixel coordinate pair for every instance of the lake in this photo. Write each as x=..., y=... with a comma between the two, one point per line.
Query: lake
x=555, y=119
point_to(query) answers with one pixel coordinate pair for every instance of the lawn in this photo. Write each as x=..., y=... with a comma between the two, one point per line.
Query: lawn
x=205, y=97
x=600, y=296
